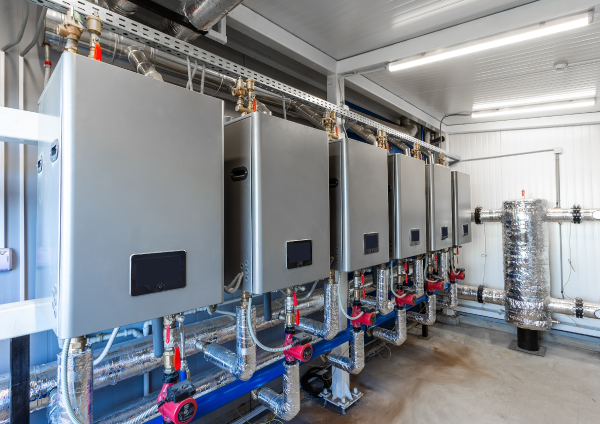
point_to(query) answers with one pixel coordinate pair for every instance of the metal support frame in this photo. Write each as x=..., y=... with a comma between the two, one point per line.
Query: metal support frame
x=220, y=35
x=152, y=38
x=2, y=156
x=19, y=380
x=22, y=212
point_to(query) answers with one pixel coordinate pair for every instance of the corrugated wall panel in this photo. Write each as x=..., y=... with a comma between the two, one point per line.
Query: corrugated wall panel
x=496, y=180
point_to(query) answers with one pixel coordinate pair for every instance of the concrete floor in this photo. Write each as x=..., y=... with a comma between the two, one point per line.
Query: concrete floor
x=467, y=374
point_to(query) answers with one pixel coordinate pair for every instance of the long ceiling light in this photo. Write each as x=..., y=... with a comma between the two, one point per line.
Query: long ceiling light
x=530, y=101
x=530, y=33
x=534, y=108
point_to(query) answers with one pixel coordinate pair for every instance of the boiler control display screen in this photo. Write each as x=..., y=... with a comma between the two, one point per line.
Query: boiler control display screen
x=371, y=243
x=299, y=253
x=415, y=235
x=157, y=272
x=444, y=233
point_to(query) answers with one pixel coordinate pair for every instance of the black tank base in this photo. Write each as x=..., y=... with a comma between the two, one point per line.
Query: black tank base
x=528, y=341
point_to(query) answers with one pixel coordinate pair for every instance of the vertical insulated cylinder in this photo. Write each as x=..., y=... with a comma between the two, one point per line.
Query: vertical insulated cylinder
x=80, y=375
x=525, y=260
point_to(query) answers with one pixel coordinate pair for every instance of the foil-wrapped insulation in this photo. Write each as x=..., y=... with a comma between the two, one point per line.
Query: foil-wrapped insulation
x=203, y=14
x=396, y=336
x=487, y=295
x=354, y=363
x=141, y=63
x=80, y=375
x=444, y=266
x=418, y=278
x=242, y=363
x=287, y=404
x=329, y=328
x=310, y=115
x=381, y=300
x=566, y=215
x=136, y=357
x=123, y=7
x=568, y=307
x=451, y=297
x=526, y=269
x=364, y=133
x=429, y=317
x=491, y=215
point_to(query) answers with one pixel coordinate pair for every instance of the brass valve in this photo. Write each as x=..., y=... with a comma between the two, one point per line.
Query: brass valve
x=381, y=139
x=171, y=341
x=329, y=124
x=416, y=151
x=442, y=159
x=240, y=91
x=72, y=30
x=94, y=27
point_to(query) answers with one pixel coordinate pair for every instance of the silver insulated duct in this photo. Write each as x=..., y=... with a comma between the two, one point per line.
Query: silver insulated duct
x=286, y=405
x=356, y=361
x=381, y=301
x=397, y=336
x=525, y=259
x=329, y=328
x=429, y=317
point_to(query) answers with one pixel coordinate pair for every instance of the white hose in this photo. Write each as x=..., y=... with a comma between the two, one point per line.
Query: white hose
x=425, y=269
x=392, y=282
x=235, y=284
x=64, y=387
x=311, y=291
x=113, y=336
x=343, y=309
x=255, y=340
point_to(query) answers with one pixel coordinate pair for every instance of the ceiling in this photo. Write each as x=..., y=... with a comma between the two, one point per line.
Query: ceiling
x=345, y=28
x=522, y=71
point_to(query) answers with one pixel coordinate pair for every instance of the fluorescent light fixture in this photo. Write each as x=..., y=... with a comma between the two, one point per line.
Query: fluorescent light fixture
x=530, y=33
x=536, y=100
x=534, y=108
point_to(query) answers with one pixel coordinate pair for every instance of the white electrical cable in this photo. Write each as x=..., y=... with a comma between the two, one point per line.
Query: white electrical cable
x=113, y=336
x=343, y=309
x=311, y=291
x=64, y=386
x=392, y=282
x=235, y=284
x=255, y=340
x=425, y=269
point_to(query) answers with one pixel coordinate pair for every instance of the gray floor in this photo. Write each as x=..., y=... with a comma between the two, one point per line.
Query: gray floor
x=466, y=374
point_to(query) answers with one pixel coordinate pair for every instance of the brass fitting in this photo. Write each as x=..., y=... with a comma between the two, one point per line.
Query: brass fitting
x=72, y=30
x=240, y=91
x=442, y=159
x=244, y=300
x=329, y=124
x=381, y=139
x=416, y=151
x=332, y=277
x=170, y=345
x=94, y=27
x=290, y=309
x=77, y=344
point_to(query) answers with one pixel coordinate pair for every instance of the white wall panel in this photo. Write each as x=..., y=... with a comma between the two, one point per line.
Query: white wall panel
x=496, y=180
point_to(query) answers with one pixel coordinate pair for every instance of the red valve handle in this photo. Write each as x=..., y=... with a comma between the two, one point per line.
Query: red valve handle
x=254, y=105
x=177, y=359
x=168, y=336
x=97, y=52
x=297, y=317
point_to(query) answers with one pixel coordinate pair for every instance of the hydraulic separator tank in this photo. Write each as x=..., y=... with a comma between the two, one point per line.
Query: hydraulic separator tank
x=461, y=208
x=439, y=207
x=276, y=203
x=358, y=187
x=130, y=198
x=407, y=206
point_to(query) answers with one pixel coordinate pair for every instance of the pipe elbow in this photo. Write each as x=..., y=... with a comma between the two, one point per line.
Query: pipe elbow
x=429, y=317
x=330, y=327
x=354, y=363
x=397, y=337
x=452, y=298
x=287, y=404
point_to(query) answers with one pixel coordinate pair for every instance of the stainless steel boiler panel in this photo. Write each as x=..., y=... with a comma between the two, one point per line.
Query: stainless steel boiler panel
x=359, y=205
x=407, y=206
x=276, y=203
x=461, y=208
x=439, y=207
x=130, y=198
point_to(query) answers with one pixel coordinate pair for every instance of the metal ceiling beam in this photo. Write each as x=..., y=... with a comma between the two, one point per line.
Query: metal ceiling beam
x=374, y=91
x=529, y=14
x=257, y=27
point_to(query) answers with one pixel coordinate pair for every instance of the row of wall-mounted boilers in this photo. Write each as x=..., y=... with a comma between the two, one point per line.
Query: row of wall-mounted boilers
x=152, y=220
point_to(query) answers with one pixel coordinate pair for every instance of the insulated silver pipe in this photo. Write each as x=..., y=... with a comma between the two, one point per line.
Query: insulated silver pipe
x=141, y=63
x=136, y=357
x=569, y=215
x=355, y=363
x=122, y=7
x=451, y=295
x=487, y=295
x=397, y=336
x=241, y=364
x=287, y=404
x=574, y=307
x=310, y=115
x=418, y=278
x=329, y=328
x=364, y=133
x=491, y=215
x=429, y=317
x=381, y=300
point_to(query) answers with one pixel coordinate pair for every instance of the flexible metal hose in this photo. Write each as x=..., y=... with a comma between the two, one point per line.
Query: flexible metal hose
x=113, y=336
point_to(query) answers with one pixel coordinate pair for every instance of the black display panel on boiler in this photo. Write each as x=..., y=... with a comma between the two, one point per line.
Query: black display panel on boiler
x=299, y=253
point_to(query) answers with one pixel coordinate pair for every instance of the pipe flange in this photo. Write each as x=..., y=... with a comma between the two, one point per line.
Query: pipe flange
x=576, y=214
x=480, y=293
x=578, y=307
x=478, y=215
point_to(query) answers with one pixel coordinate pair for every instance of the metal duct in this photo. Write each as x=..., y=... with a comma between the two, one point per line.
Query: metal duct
x=364, y=133
x=356, y=361
x=310, y=115
x=452, y=297
x=572, y=215
x=329, y=328
x=80, y=377
x=480, y=216
x=136, y=357
x=122, y=7
x=381, y=300
x=429, y=317
x=203, y=14
x=241, y=364
x=480, y=294
x=141, y=63
x=526, y=270
x=576, y=307
x=397, y=336
x=287, y=404
x=418, y=278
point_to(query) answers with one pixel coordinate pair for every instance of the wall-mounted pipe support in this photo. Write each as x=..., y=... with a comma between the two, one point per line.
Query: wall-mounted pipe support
x=356, y=361
x=242, y=363
x=429, y=317
x=397, y=336
x=287, y=404
x=331, y=321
